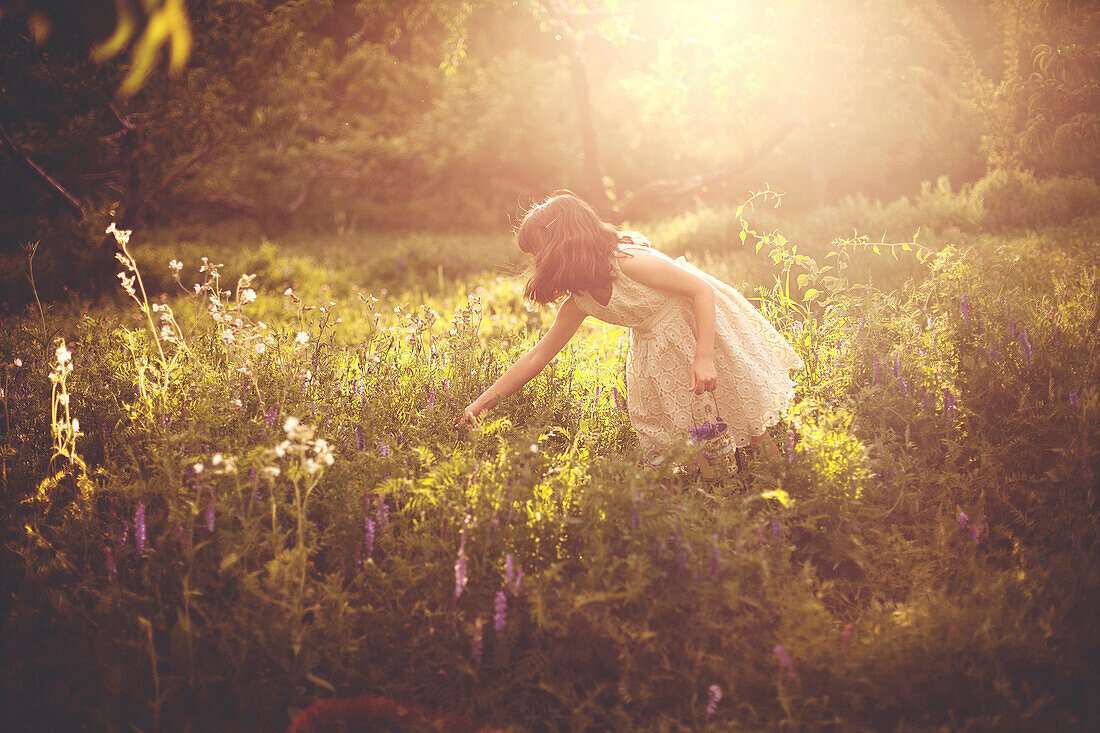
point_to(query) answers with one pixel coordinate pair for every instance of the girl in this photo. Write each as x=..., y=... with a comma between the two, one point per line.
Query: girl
x=689, y=332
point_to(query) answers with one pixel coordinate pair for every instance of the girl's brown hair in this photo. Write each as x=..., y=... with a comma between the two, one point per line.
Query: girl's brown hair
x=572, y=247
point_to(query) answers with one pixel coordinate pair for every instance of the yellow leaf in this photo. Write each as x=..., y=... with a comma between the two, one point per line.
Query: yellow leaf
x=743, y=235
x=811, y=294
x=779, y=495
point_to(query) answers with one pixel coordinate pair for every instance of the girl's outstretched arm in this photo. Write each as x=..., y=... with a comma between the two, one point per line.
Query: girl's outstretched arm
x=660, y=274
x=566, y=323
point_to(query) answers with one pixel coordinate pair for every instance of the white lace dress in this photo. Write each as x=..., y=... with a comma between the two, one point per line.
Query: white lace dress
x=751, y=358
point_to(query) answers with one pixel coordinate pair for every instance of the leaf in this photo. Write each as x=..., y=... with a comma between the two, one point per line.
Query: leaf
x=320, y=682
x=779, y=495
x=743, y=235
x=811, y=294
x=228, y=561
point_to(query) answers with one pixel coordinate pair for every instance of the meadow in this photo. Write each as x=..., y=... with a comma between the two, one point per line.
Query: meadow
x=236, y=491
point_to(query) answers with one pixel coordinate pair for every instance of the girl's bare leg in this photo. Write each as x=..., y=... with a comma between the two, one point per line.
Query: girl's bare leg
x=764, y=445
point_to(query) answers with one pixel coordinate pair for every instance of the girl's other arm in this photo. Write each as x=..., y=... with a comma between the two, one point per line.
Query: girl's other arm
x=660, y=274
x=566, y=323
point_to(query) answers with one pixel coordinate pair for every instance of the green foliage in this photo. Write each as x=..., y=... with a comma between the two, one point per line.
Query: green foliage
x=920, y=554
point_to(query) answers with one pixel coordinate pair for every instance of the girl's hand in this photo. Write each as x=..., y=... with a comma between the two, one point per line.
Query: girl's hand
x=469, y=416
x=704, y=377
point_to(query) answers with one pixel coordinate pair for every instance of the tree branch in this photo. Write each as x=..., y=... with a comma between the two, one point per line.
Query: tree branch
x=39, y=174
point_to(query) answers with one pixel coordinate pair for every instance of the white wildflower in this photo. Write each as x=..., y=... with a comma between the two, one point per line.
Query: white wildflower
x=175, y=266
x=302, y=338
x=216, y=459
x=63, y=399
x=197, y=468
x=64, y=356
x=248, y=296
x=76, y=426
x=291, y=425
x=227, y=336
x=260, y=347
x=18, y=362
x=534, y=447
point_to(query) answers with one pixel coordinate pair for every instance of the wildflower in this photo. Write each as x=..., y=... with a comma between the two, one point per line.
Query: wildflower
x=948, y=402
x=383, y=514
x=790, y=445
x=509, y=568
x=140, y=536
x=965, y=308
x=359, y=438
x=1012, y=329
x=714, y=695
x=615, y=394
x=431, y=397
x=302, y=338
x=897, y=364
x=260, y=347
x=475, y=645
x=707, y=431
x=64, y=356
x=122, y=236
x=76, y=427
x=534, y=447
x=963, y=520
x=216, y=459
x=175, y=266
x=903, y=386
x=500, y=608
x=1073, y=401
x=785, y=661
x=291, y=425
x=368, y=540
x=18, y=362
x=384, y=450
x=63, y=399
x=974, y=532
x=210, y=512
x=1026, y=344
x=248, y=295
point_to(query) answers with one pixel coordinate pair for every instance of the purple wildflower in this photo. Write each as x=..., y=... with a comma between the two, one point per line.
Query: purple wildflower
x=974, y=533
x=500, y=610
x=714, y=695
x=790, y=445
x=383, y=514
x=140, y=536
x=903, y=386
x=785, y=660
x=948, y=402
x=210, y=512
x=125, y=534
x=796, y=328
x=368, y=539
x=965, y=308
x=1026, y=344
x=475, y=645
x=615, y=394
x=1073, y=401
x=384, y=449
x=706, y=431
x=509, y=568
x=431, y=397
x=897, y=364
x=962, y=520
x=359, y=438
x=269, y=418
x=112, y=571
x=777, y=529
